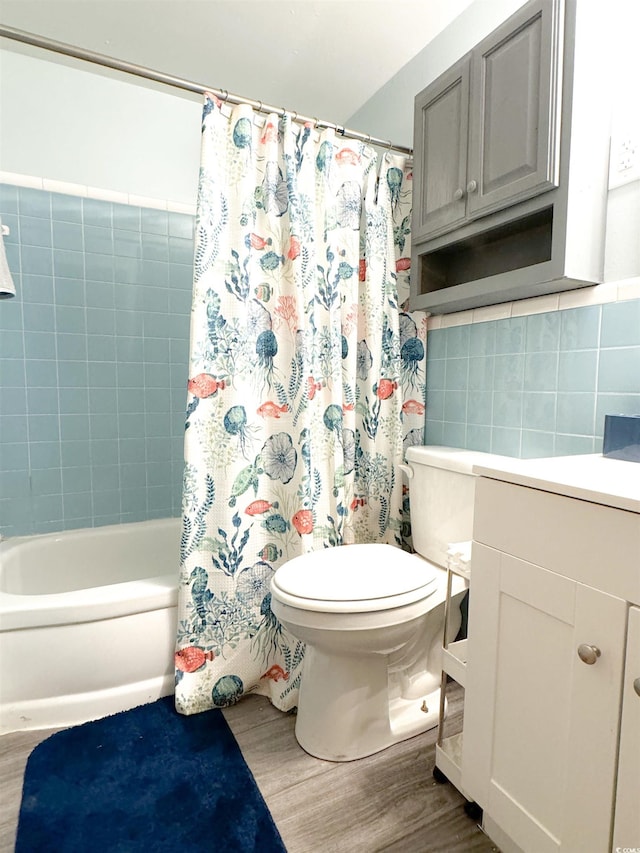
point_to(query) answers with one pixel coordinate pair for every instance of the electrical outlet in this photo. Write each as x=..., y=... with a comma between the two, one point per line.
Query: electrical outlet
x=626, y=155
x=624, y=165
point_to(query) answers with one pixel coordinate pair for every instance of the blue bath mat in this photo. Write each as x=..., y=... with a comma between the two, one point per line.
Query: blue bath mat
x=146, y=780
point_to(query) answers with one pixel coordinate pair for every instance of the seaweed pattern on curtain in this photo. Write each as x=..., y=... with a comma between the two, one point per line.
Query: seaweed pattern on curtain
x=306, y=380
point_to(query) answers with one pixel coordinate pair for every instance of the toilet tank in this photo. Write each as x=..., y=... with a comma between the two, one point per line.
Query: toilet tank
x=442, y=491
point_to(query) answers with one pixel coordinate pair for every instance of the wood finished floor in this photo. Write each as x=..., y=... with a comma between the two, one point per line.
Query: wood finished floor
x=388, y=803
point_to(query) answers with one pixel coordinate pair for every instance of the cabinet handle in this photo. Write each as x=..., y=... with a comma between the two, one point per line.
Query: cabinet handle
x=458, y=194
x=636, y=686
x=472, y=186
x=588, y=654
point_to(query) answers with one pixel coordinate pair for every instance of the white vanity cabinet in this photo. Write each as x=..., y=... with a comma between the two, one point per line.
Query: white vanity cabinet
x=551, y=748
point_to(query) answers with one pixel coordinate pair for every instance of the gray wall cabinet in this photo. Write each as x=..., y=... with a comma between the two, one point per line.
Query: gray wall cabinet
x=511, y=163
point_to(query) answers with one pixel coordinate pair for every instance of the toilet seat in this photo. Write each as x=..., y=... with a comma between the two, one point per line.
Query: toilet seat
x=354, y=579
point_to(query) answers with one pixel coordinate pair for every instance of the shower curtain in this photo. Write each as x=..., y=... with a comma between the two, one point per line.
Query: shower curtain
x=306, y=379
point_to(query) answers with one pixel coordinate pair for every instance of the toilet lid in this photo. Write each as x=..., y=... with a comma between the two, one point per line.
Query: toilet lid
x=381, y=575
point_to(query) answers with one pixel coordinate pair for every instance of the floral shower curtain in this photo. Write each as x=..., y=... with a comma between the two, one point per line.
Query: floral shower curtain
x=306, y=380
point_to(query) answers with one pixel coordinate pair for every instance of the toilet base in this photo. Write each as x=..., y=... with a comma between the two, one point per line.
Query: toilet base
x=410, y=717
x=344, y=710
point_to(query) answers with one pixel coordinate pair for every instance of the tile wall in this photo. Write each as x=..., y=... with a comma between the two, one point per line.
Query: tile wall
x=93, y=361
x=94, y=352
x=537, y=385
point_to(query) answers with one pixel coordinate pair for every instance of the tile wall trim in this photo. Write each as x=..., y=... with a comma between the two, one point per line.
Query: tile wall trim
x=67, y=188
x=599, y=294
x=612, y=291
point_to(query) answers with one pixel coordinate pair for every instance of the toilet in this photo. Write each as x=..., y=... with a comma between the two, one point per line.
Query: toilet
x=372, y=618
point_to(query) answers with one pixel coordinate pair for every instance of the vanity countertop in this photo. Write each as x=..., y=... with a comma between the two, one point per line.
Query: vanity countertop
x=592, y=477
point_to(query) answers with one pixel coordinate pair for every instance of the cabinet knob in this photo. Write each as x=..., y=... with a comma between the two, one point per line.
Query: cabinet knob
x=472, y=186
x=636, y=686
x=588, y=654
x=458, y=194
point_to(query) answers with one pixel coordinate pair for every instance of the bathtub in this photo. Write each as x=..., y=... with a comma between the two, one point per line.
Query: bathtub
x=87, y=622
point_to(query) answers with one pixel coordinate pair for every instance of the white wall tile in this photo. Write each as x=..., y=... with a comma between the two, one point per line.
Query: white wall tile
x=178, y=207
x=629, y=289
x=64, y=187
x=21, y=180
x=107, y=195
x=536, y=305
x=146, y=201
x=595, y=295
x=68, y=188
x=459, y=318
x=492, y=312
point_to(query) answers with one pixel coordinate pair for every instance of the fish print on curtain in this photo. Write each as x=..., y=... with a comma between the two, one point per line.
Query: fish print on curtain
x=306, y=380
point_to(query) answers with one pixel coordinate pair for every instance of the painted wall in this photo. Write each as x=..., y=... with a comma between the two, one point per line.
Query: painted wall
x=389, y=113
x=535, y=378
x=97, y=128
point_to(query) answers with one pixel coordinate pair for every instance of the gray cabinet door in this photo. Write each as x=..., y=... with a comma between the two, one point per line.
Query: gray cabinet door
x=513, y=134
x=440, y=156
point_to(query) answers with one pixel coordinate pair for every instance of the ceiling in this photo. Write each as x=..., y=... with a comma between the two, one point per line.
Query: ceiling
x=323, y=58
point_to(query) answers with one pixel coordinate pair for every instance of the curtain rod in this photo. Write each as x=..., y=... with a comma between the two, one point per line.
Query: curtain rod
x=179, y=83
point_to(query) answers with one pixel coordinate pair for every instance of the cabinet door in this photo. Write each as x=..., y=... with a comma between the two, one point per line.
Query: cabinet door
x=627, y=815
x=440, y=152
x=514, y=102
x=540, y=727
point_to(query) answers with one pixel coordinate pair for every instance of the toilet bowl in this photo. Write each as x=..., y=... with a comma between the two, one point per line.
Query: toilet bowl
x=372, y=619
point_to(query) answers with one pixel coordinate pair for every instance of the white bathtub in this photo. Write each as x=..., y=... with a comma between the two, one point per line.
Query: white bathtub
x=87, y=622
